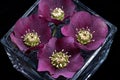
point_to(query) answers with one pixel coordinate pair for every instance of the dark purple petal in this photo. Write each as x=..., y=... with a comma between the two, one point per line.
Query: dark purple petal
x=20, y=27
x=63, y=72
x=45, y=65
x=100, y=28
x=66, y=43
x=68, y=30
x=46, y=7
x=94, y=45
x=40, y=26
x=95, y=24
x=48, y=49
x=68, y=7
x=81, y=19
x=76, y=62
x=43, y=56
x=19, y=30
x=99, y=35
x=18, y=42
x=31, y=23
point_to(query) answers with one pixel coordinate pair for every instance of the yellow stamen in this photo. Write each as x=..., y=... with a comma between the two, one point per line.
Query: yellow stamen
x=59, y=59
x=31, y=38
x=84, y=36
x=57, y=14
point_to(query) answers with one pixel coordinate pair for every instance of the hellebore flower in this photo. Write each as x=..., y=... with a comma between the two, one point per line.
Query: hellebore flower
x=60, y=57
x=56, y=10
x=30, y=32
x=88, y=31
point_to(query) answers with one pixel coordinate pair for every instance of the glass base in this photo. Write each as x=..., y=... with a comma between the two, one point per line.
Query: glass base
x=27, y=64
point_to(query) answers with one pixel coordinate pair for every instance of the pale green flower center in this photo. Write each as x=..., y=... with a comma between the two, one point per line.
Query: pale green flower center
x=60, y=59
x=57, y=14
x=31, y=39
x=84, y=36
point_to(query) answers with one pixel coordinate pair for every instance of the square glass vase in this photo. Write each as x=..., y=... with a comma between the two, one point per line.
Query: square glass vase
x=27, y=65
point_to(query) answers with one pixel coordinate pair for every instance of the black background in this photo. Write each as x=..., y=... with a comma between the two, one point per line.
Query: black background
x=11, y=10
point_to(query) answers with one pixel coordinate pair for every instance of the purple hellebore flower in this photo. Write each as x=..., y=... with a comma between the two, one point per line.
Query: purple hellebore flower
x=60, y=58
x=89, y=31
x=56, y=10
x=29, y=32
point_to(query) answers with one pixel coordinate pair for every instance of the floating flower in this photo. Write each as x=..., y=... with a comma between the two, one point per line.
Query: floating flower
x=88, y=31
x=56, y=10
x=30, y=32
x=60, y=57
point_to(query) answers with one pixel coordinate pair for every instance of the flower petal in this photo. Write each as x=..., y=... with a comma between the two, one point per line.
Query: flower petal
x=46, y=6
x=76, y=62
x=99, y=35
x=63, y=72
x=32, y=22
x=68, y=7
x=43, y=56
x=94, y=45
x=44, y=9
x=40, y=25
x=44, y=65
x=95, y=24
x=100, y=27
x=66, y=43
x=20, y=27
x=18, y=42
x=48, y=49
x=72, y=67
x=81, y=19
x=68, y=30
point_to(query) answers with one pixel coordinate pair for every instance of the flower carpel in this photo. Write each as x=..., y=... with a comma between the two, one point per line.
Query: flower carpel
x=59, y=59
x=31, y=39
x=57, y=14
x=84, y=36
